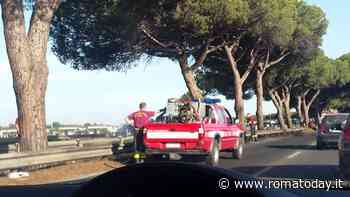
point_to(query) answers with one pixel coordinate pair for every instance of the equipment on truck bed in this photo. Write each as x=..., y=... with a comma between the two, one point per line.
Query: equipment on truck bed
x=192, y=127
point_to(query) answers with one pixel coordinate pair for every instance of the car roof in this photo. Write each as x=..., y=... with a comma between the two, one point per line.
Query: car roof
x=335, y=114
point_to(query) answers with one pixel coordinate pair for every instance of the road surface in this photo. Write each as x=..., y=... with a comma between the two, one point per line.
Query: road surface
x=287, y=157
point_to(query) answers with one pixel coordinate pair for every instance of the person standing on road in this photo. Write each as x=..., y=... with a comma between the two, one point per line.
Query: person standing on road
x=252, y=123
x=139, y=119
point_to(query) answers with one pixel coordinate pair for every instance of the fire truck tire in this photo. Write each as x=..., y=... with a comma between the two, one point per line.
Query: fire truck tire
x=237, y=153
x=214, y=154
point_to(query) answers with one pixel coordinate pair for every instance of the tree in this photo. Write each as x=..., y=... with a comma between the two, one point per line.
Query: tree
x=227, y=74
x=86, y=125
x=273, y=30
x=27, y=57
x=126, y=30
x=278, y=85
x=262, y=25
x=336, y=96
x=316, y=75
x=56, y=125
x=290, y=27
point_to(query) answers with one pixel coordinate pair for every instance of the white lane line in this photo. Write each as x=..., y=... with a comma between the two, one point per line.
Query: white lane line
x=280, y=162
x=262, y=171
x=294, y=155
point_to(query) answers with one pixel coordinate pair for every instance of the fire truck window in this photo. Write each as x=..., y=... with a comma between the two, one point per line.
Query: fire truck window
x=221, y=116
x=209, y=113
x=228, y=117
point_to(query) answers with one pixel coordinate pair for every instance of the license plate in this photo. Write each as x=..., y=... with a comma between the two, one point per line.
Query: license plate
x=172, y=145
x=335, y=131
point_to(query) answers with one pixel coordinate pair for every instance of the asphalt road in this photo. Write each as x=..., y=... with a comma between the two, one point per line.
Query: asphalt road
x=287, y=158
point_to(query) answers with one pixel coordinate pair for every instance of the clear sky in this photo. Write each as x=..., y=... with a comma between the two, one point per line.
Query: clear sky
x=107, y=97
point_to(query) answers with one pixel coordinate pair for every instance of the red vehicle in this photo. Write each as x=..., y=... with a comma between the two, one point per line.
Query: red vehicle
x=210, y=131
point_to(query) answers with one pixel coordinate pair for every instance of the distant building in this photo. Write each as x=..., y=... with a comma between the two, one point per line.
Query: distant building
x=68, y=130
x=10, y=133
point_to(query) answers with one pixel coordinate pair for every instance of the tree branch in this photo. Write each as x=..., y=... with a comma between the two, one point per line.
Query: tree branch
x=242, y=55
x=275, y=97
x=207, y=49
x=155, y=40
x=247, y=72
x=231, y=60
x=15, y=38
x=307, y=92
x=38, y=34
x=215, y=48
x=200, y=60
x=267, y=58
x=277, y=60
x=313, y=98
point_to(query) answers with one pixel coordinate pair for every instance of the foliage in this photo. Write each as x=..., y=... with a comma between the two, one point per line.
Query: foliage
x=291, y=26
x=56, y=125
x=110, y=34
x=277, y=20
x=93, y=34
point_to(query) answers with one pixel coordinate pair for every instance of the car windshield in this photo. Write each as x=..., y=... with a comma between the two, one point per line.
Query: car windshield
x=334, y=120
x=260, y=88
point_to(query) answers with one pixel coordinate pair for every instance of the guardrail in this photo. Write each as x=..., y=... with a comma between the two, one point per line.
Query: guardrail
x=32, y=160
x=86, y=150
x=67, y=143
x=266, y=133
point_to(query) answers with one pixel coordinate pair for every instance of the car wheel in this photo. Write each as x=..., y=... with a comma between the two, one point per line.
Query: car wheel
x=237, y=153
x=214, y=155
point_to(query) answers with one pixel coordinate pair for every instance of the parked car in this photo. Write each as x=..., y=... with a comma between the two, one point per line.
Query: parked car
x=211, y=132
x=330, y=129
x=344, y=151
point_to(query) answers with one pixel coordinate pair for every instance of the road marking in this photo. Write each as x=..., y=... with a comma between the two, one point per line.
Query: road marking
x=279, y=162
x=294, y=155
x=262, y=171
x=263, y=141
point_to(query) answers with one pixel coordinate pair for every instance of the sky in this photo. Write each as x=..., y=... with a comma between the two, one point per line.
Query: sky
x=76, y=97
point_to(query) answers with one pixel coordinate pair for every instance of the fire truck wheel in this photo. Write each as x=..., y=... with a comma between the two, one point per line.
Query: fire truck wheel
x=214, y=155
x=237, y=153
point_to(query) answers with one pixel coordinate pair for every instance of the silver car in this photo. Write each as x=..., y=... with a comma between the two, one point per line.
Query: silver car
x=330, y=129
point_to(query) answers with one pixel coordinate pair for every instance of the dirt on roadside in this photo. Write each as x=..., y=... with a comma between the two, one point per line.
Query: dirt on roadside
x=70, y=171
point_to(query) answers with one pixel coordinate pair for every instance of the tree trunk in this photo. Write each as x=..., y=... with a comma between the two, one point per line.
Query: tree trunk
x=27, y=58
x=189, y=78
x=286, y=105
x=259, y=99
x=238, y=83
x=281, y=119
x=300, y=111
x=239, y=102
x=287, y=115
x=276, y=100
x=305, y=110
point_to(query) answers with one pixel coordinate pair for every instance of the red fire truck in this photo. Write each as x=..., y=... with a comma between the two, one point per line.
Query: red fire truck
x=194, y=127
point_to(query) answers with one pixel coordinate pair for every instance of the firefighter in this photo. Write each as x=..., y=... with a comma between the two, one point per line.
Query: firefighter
x=252, y=126
x=139, y=119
